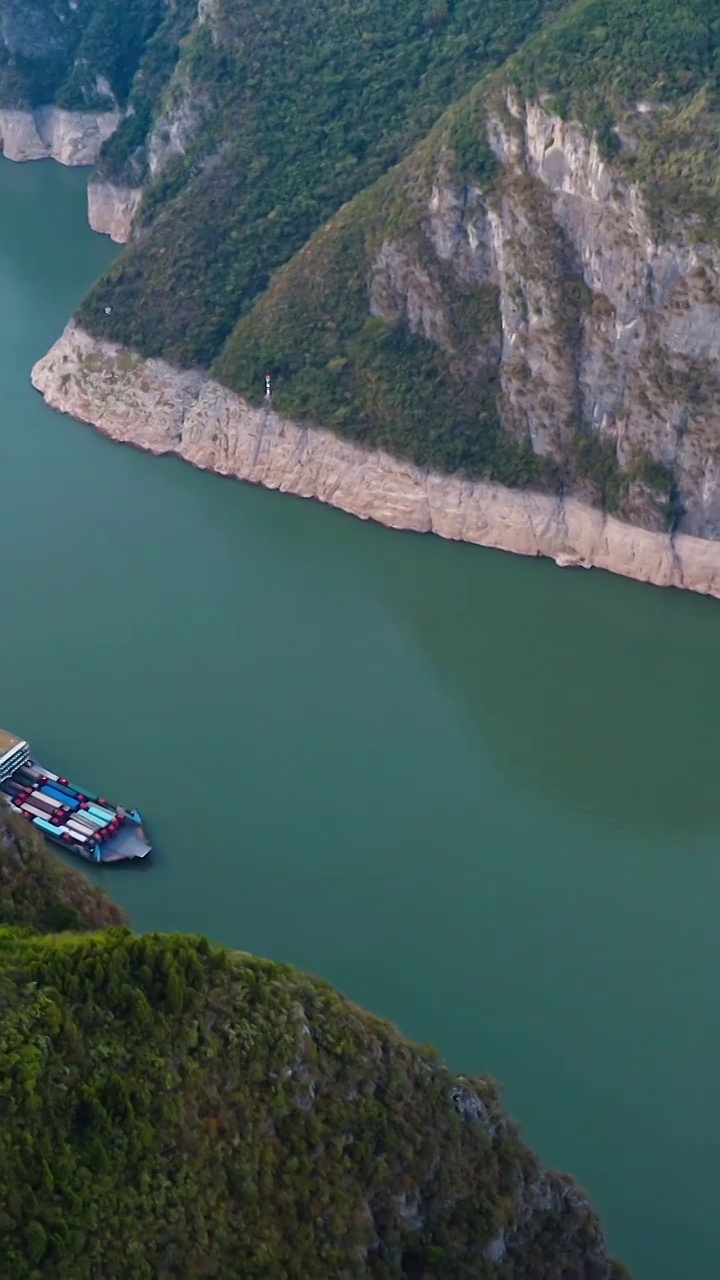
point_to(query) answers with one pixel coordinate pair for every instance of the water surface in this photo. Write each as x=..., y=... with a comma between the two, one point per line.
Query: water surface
x=477, y=793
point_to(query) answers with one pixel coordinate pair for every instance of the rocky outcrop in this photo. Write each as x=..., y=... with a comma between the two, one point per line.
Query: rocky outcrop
x=112, y=209
x=177, y=124
x=70, y=137
x=605, y=325
x=165, y=410
x=575, y=299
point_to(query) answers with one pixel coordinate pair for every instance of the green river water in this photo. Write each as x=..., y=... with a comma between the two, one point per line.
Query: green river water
x=477, y=793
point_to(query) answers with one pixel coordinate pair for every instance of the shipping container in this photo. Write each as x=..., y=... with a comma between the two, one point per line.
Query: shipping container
x=89, y=795
x=88, y=817
x=45, y=826
x=39, y=803
x=61, y=786
x=59, y=789
x=81, y=816
x=80, y=836
x=80, y=826
x=51, y=800
x=35, y=813
x=75, y=818
x=52, y=803
x=106, y=814
x=57, y=832
x=70, y=802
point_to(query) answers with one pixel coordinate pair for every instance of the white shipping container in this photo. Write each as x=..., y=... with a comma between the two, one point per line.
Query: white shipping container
x=76, y=826
x=36, y=813
x=54, y=804
x=78, y=836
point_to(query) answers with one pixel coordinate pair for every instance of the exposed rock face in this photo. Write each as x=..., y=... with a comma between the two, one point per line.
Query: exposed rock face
x=71, y=137
x=605, y=327
x=597, y=325
x=164, y=410
x=176, y=126
x=112, y=210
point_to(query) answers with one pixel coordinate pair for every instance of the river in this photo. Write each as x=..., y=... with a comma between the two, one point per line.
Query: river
x=477, y=793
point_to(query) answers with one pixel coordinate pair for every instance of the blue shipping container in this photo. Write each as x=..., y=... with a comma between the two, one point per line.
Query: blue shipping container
x=107, y=815
x=70, y=802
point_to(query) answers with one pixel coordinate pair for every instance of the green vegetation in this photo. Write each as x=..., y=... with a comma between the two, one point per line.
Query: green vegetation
x=602, y=59
x=57, y=51
x=614, y=53
x=168, y=1108
x=473, y=157
x=124, y=156
x=311, y=136
x=677, y=164
x=38, y=891
x=594, y=459
x=299, y=108
x=371, y=379
x=656, y=475
x=112, y=43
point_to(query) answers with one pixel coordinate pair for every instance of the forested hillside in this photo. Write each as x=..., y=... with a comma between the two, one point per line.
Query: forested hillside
x=483, y=238
x=277, y=115
x=279, y=231
x=171, y=1108
x=38, y=891
x=78, y=54
x=643, y=75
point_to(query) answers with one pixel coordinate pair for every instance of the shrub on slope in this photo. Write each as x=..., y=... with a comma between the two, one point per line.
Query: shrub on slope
x=168, y=1109
x=39, y=891
x=296, y=108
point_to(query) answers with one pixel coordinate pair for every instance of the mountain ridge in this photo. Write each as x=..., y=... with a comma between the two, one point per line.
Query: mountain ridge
x=173, y=1107
x=529, y=295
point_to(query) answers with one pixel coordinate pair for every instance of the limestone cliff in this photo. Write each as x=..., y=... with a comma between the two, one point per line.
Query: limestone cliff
x=166, y=410
x=47, y=132
x=638, y=366
x=524, y=313
x=112, y=209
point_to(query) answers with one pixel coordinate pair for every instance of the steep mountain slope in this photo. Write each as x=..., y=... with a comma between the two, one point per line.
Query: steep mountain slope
x=274, y=116
x=38, y=891
x=529, y=298
x=169, y=1108
x=77, y=54
x=570, y=325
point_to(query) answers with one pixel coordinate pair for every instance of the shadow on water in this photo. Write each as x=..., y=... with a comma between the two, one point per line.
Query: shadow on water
x=597, y=691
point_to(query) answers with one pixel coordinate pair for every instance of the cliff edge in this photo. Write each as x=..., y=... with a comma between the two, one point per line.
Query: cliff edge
x=165, y=410
x=478, y=254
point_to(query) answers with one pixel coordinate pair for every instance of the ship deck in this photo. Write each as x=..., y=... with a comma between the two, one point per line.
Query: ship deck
x=8, y=741
x=129, y=842
x=96, y=829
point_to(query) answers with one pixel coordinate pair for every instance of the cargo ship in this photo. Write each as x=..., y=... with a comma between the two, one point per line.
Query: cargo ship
x=72, y=817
